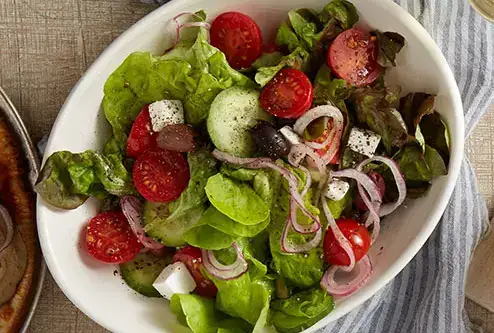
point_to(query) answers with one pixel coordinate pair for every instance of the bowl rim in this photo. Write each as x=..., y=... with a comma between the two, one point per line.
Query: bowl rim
x=395, y=268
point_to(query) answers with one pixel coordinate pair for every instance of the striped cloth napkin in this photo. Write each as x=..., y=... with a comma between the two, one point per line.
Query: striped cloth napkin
x=428, y=295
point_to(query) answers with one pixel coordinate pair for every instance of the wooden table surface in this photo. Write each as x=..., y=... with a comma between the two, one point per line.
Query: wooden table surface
x=45, y=47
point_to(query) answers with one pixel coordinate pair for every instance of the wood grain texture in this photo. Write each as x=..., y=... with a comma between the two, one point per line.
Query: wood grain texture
x=45, y=47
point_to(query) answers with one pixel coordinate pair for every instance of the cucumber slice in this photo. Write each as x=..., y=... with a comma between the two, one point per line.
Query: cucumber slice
x=231, y=116
x=142, y=271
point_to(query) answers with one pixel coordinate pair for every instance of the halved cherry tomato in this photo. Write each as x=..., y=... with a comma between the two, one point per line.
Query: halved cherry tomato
x=141, y=137
x=161, y=175
x=288, y=95
x=192, y=259
x=239, y=37
x=109, y=238
x=381, y=185
x=358, y=237
x=353, y=57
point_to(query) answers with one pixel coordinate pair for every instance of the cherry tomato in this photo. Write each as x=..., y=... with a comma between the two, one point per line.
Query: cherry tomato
x=161, y=175
x=192, y=259
x=353, y=57
x=239, y=37
x=381, y=185
x=141, y=137
x=288, y=95
x=358, y=236
x=109, y=238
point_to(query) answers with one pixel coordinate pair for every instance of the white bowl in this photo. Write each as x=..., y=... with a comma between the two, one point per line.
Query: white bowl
x=104, y=297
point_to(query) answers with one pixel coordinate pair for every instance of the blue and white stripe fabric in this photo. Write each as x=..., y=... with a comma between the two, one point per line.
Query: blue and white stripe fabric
x=428, y=295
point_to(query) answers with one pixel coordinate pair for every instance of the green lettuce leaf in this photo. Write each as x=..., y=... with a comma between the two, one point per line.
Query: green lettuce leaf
x=306, y=29
x=328, y=90
x=412, y=163
x=241, y=174
x=236, y=199
x=168, y=222
x=435, y=162
x=228, y=226
x=374, y=108
x=245, y=298
x=286, y=36
x=342, y=11
x=68, y=179
x=301, y=310
x=298, y=59
x=200, y=315
x=436, y=134
x=299, y=269
x=204, y=236
x=268, y=60
x=337, y=208
x=202, y=165
x=390, y=44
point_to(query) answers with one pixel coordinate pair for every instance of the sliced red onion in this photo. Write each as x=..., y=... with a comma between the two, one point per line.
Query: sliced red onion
x=354, y=279
x=340, y=238
x=8, y=227
x=179, y=26
x=388, y=208
x=334, y=137
x=224, y=272
x=315, y=113
x=363, y=179
x=308, y=180
x=303, y=150
x=131, y=208
x=289, y=247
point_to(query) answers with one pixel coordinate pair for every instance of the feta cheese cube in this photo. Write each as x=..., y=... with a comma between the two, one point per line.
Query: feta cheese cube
x=336, y=189
x=290, y=135
x=363, y=141
x=174, y=279
x=166, y=112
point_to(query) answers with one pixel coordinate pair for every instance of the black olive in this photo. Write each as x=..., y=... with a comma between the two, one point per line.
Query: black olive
x=269, y=141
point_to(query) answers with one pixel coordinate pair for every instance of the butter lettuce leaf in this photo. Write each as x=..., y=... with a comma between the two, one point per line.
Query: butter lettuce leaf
x=301, y=310
x=237, y=200
x=68, y=179
x=201, y=316
x=298, y=59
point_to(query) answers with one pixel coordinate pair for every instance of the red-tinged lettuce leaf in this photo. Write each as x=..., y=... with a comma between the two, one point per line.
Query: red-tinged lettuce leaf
x=390, y=44
x=374, y=110
x=413, y=107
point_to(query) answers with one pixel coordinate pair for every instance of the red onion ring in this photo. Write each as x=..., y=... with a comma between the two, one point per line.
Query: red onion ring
x=288, y=247
x=308, y=180
x=224, y=272
x=388, y=208
x=6, y=220
x=303, y=150
x=179, y=26
x=131, y=208
x=334, y=137
x=340, y=238
x=329, y=283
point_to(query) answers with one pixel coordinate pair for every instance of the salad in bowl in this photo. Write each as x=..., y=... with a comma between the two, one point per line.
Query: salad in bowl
x=246, y=179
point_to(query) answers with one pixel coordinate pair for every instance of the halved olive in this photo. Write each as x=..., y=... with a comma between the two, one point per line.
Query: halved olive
x=269, y=141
